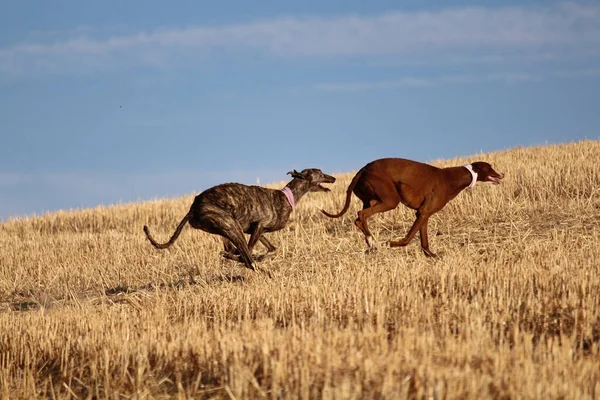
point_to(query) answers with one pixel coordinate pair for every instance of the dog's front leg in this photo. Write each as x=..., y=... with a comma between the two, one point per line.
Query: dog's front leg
x=421, y=219
x=231, y=253
x=257, y=230
x=256, y=234
x=425, y=240
x=228, y=247
x=267, y=244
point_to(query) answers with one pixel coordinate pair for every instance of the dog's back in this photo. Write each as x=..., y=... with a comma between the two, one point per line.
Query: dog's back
x=246, y=204
x=402, y=171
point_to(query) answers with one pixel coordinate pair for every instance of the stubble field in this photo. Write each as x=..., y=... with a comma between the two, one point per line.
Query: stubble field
x=510, y=309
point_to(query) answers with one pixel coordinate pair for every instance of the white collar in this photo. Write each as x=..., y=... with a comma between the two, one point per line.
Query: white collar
x=473, y=175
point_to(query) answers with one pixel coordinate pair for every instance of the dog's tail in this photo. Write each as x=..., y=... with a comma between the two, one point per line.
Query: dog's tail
x=348, y=196
x=173, y=238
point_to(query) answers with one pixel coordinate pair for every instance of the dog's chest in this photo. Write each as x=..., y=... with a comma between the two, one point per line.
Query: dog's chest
x=265, y=213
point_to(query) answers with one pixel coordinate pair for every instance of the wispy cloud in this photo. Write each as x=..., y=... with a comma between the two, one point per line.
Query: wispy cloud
x=375, y=85
x=408, y=82
x=468, y=31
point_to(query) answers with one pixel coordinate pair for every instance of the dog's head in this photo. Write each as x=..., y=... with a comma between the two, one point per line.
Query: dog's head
x=485, y=173
x=314, y=177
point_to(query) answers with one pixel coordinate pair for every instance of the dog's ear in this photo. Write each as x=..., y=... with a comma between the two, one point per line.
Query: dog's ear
x=296, y=174
x=480, y=166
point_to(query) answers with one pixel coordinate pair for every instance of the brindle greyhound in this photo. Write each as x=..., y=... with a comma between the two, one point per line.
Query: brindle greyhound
x=383, y=184
x=232, y=209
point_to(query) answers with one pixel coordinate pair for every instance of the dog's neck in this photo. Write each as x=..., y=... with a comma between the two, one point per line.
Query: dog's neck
x=298, y=188
x=469, y=167
x=289, y=195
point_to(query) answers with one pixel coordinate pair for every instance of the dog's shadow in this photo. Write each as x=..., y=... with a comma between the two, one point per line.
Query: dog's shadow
x=118, y=293
x=180, y=284
x=20, y=306
x=229, y=278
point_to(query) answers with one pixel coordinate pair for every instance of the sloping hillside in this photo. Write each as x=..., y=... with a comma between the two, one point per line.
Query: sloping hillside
x=511, y=308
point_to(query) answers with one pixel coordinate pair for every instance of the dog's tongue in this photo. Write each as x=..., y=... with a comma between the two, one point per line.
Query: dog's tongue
x=323, y=188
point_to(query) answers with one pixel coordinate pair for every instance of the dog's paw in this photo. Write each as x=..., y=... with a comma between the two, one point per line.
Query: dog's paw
x=384, y=245
x=371, y=250
x=371, y=242
x=230, y=256
x=429, y=253
x=262, y=257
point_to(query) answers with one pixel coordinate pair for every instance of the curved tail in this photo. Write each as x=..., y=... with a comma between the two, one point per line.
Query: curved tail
x=173, y=238
x=348, y=196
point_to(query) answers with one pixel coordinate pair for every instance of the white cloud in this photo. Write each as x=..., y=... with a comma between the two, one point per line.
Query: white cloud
x=14, y=178
x=375, y=85
x=581, y=73
x=468, y=32
x=406, y=82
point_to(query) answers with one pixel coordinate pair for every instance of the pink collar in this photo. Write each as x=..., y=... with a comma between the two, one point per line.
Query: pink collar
x=289, y=196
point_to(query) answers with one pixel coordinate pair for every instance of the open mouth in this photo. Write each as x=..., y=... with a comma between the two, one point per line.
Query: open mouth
x=329, y=179
x=496, y=180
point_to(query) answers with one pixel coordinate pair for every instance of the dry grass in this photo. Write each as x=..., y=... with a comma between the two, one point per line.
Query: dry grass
x=88, y=309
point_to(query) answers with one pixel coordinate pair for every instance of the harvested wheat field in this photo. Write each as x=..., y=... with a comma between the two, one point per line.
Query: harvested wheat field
x=510, y=309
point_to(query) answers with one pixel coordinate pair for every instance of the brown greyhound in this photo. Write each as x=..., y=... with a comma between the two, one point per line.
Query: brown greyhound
x=383, y=184
x=232, y=209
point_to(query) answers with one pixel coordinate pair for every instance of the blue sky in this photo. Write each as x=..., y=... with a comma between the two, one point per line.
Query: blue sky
x=107, y=102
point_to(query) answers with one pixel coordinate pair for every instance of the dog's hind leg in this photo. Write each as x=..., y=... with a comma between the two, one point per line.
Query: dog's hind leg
x=378, y=195
x=231, y=231
x=361, y=223
x=239, y=241
x=376, y=207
